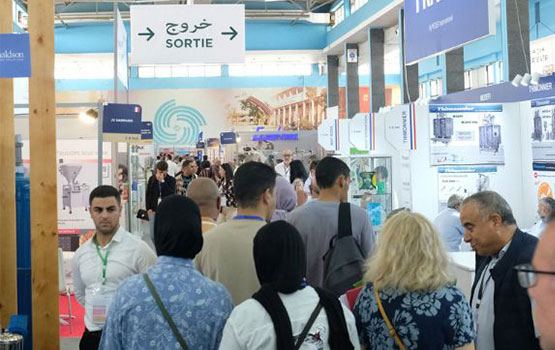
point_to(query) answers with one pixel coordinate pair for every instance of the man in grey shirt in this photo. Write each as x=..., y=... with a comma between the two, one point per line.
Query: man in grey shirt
x=448, y=223
x=317, y=220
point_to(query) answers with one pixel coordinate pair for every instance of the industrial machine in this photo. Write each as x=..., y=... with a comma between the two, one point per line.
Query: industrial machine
x=74, y=194
x=490, y=134
x=443, y=128
x=537, y=133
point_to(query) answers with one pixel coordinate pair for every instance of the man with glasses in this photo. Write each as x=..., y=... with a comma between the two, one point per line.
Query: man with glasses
x=501, y=307
x=284, y=168
x=539, y=278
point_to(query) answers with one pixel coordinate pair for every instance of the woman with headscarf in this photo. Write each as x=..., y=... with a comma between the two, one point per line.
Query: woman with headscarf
x=287, y=314
x=285, y=198
x=197, y=306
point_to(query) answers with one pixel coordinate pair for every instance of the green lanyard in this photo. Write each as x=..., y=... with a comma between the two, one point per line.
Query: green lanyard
x=104, y=260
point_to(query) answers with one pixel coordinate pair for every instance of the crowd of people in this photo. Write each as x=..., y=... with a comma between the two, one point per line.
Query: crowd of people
x=298, y=267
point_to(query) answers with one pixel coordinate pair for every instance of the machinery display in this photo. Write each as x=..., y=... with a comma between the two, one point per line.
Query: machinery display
x=443, y=128
x=537, y=133
x=490, y=134
x=74, y=194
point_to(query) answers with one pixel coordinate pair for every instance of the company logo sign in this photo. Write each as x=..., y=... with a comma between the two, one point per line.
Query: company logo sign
x=15, y=57
x=177, y=125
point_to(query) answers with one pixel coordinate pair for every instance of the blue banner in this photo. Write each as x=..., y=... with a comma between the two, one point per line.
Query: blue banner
x=122, y=122
x=146, y=131
x=436, y=26
x=467, y=169
x=543, y=102
x=15, y=56
x=537, y=166
x=465, y=108
x=228, y=138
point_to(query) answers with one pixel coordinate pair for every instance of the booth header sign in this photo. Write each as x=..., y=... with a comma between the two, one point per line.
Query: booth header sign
x=15, y=56
x=435, y=26
x=174, y=34
x=122, y=122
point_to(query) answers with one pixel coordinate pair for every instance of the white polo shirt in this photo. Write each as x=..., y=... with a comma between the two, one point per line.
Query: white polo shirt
x=127, y=255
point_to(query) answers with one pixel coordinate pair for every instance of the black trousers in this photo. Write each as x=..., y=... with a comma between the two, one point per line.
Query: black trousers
x=90, y=340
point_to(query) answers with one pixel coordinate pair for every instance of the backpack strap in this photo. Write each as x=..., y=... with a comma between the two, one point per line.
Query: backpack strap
x=344, y=227
x=392, y=331
x=165, y=312
x=339, y=333
x=309, y=324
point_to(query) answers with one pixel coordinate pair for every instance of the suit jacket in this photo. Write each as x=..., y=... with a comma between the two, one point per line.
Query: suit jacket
x=153, y=189
x=513, y=327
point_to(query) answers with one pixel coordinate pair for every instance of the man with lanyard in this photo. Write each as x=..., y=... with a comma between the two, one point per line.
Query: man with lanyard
x=187, y=174
x=226, y=256
x=206, y=195
x=159, y=186
x=284, y=168
x=102, y=262
x=501, y=307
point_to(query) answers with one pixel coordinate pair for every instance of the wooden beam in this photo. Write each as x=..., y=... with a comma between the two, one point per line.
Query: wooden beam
x=8, y=246
x=44, y=208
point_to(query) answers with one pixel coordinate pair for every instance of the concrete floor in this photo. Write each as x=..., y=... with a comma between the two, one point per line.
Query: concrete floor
x=69, y=343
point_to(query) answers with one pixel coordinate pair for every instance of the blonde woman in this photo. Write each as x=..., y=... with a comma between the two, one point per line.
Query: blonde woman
x=407, y=275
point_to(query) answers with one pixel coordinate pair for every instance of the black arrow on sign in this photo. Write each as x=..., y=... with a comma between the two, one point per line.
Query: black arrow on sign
x=150, y=33
x=233, y=33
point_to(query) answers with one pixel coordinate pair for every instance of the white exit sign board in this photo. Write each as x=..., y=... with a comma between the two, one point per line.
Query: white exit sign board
x=174, y=34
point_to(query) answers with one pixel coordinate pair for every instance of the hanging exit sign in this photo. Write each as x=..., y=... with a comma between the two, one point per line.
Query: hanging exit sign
x=174, y=34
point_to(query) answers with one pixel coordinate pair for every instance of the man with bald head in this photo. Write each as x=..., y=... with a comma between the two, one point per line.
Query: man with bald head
x=204, y=192
x=539, y=278
x=284, y=168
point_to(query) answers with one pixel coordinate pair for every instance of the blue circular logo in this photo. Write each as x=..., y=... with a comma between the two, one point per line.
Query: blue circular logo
x=177, y=125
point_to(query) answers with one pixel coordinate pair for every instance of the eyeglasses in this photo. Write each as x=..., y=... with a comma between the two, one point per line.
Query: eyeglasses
x=527, y=275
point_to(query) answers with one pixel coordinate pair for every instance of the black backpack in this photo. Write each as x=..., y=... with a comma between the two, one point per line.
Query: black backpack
x=344, y=261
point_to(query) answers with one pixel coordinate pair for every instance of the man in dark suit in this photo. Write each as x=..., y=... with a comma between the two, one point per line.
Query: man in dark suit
x=501, y=307
x=159, y=186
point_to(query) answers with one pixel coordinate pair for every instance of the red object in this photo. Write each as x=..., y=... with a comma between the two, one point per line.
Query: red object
x=352, y=297
x=78, y=322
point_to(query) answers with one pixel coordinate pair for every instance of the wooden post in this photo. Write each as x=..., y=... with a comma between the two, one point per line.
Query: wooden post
x=8, y=246
x=44, y=208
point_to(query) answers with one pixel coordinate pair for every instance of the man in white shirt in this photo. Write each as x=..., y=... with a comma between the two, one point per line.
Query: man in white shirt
x=103, y=262
x=284, y=168
x=546, y=209
x=448, y=223
x=172, y=167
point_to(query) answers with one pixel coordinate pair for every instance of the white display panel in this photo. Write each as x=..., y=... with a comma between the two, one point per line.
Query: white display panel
x=542, y=125
x=466, y=134
x=464, y=181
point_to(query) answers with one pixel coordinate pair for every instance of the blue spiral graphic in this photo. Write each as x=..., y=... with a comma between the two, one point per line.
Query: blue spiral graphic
x=177, y=125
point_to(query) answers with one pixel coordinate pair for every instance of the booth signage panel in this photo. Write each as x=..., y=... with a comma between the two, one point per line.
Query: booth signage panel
x=466, y=134
x=544, y=179
x=15, y=56
x=436, y=26
x=400, y=127
x=464, y=181
x=362, y=132
x=174, y=34
x=328, y=134
x=122, y=122
x=542, y=126
x=228, y=138
x=147, y=133
x=121, y=50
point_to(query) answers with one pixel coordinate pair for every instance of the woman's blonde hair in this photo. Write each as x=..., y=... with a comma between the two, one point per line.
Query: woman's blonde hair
x=409, y=256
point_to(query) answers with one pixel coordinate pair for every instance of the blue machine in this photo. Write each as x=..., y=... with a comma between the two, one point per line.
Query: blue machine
x=24, y=291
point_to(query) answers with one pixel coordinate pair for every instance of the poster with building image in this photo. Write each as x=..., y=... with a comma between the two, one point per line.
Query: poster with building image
x=542, y=126
x=466, y=134
x=464, y=181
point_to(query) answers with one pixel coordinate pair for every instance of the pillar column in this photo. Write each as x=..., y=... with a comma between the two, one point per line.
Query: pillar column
x=516, y=38
x=8, y=246
x=377, y=75
x=453, y=71
x=333, y=81
x=352, y=91
x=409, y=74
